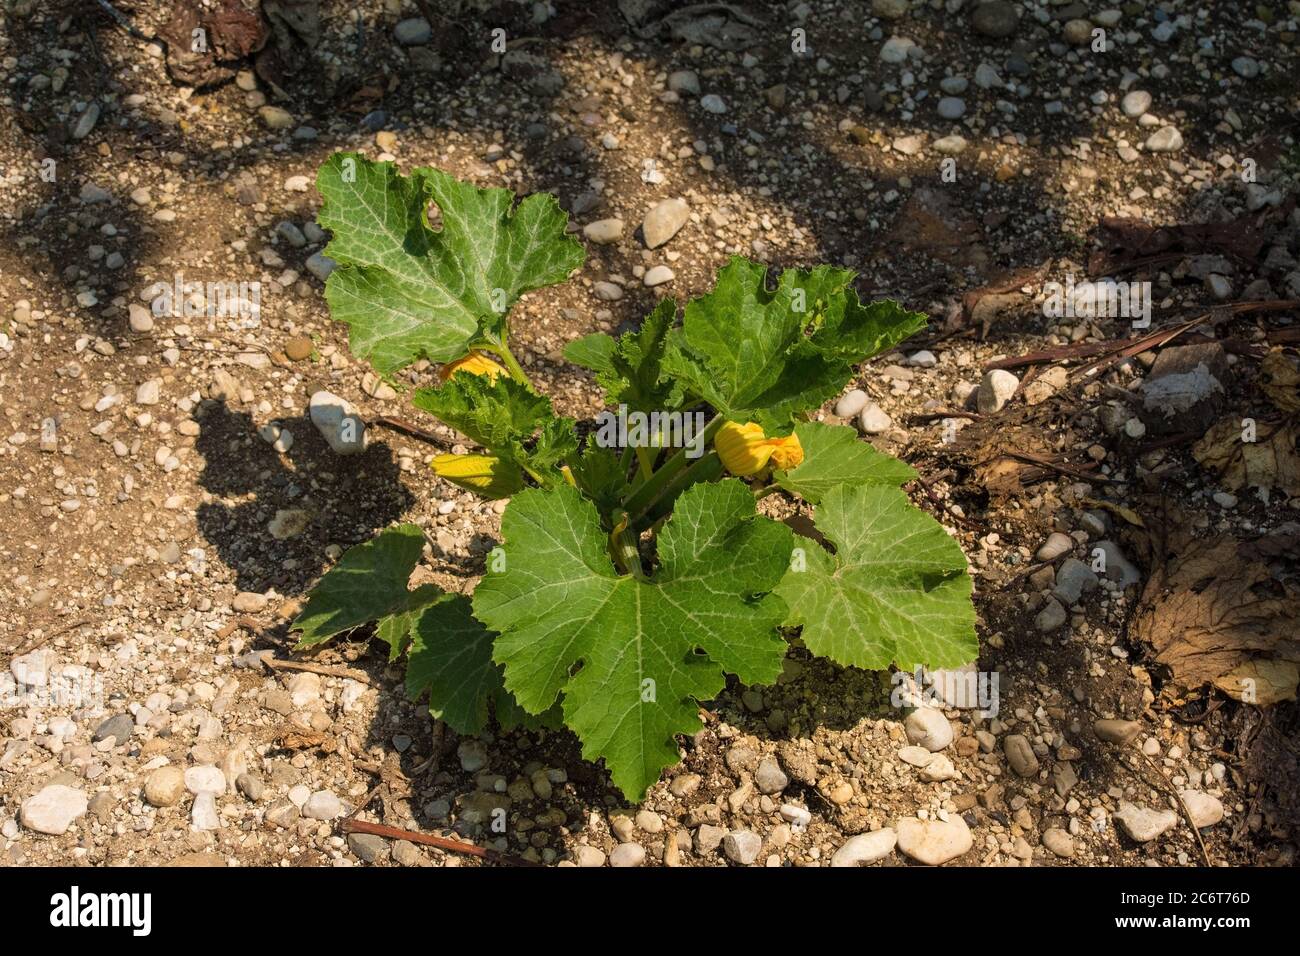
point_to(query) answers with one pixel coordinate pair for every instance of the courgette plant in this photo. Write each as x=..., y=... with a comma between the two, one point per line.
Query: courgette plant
x=629, y=580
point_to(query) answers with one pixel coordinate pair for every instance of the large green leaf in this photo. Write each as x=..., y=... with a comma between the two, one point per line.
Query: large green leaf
x=764, y=356
x=629, y=369
x=369, y=582
x=559, y=604
x=451, y=658
x=834, y=455
x=895, y=591
x=410, y=292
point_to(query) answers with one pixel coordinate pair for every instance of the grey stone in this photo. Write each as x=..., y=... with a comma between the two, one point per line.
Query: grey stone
x=1050, y=617
x=742, y=846
x=769, y=778
x=1020, y=754
x=1073, y=580
x=119, y=728
x=995, y=18
x=708, y=838
x=367, y=847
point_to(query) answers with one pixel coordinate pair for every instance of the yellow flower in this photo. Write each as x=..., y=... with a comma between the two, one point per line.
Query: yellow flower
x=476, y=363
x=482, y=474
x=567, y=472
x=745, y=450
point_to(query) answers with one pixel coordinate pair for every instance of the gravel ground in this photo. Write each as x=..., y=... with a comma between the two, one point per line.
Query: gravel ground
x=165, y=500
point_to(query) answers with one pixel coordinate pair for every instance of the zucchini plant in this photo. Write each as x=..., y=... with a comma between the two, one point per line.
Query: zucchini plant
x=635, y=570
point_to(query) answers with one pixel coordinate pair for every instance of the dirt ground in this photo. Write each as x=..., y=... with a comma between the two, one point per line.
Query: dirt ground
x=154, y=538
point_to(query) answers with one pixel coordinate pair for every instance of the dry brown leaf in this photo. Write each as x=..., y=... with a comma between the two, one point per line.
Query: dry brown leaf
x=1270, y=461
x=1281, y=381
x=1261, y=682
x=1215, y=614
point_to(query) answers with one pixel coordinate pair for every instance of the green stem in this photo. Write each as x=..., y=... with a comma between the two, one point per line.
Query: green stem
x=646, y=459
x=650, y=489
x=623, y=547
x=502, y=351
x=662, y=503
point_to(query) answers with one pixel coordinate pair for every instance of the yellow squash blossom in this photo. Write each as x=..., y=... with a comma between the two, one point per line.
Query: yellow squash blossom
x=476, y=363
x=745, y=450
x=482, y=474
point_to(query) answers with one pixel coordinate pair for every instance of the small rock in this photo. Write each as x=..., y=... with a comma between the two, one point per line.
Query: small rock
x=951, y=107
x=275, y=118
x=874, y=420
x=165, y=786
x=1118, y=568
x=118, y=728
x=1122, y=732
x=769, y=778
x=708, y=838
x=1020, y=754
x=933, y=842
x=299, y=348
x=1142, y=823
x=866, y=848
x=249, y=602
x=663, y=221
x=1204, y=809
x=251, y=786
x=53, y=809
x=1077, y=32
x=1135, y=103
x=939, y=769
x=323, y=805
x=895, y=49
x=205, y=779
x=413, y=31
x=713, y=103
x=995, y=18
x=995, y=390
x=742, y=846
x=657, y=275
x=203, y=814
x=627, y=854
x=1050, y=617
x=588, y=856
x=473, y=757
x=927, y=727
x=851, y=403
x=367, y=847
x=1056, y=545
x=339, y=423
x=684, y=81
x=1073, y=580
x=1059, y=842
x=1167, y=139
x=604, y=231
